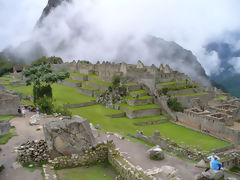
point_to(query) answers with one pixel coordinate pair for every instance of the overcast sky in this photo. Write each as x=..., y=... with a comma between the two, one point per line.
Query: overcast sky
x=191, y=24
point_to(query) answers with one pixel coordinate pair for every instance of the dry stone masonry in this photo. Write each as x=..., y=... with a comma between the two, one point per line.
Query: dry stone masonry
x=33, y=152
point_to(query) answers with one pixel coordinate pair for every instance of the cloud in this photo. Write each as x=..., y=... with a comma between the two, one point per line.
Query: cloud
x=235, y=62
x=94, y=29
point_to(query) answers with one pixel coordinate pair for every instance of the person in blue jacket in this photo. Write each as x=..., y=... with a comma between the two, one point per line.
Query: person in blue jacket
x=212, y=157
x=216, y=165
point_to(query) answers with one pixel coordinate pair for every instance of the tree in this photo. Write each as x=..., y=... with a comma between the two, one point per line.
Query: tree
x=174, y=105
x=45, y=60
x=42, y=77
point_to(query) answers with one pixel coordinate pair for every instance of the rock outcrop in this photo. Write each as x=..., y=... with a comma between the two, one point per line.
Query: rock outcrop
x=211, y=175
x=67, y=137
x=156, y=153
x=4, y=127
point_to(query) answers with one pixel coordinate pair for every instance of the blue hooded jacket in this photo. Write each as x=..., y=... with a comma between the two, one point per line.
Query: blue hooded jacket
x=216, y=164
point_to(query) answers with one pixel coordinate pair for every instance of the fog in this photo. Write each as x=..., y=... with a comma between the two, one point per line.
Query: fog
x=101, y=29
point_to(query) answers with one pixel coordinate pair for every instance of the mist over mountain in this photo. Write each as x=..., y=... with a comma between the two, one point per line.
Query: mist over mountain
x=227, y=47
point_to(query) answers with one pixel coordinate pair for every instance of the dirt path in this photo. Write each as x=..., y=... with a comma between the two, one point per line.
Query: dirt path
x=7, y=156
x=136, y=154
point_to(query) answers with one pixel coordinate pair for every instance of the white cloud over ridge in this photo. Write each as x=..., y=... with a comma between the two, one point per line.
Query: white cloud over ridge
x=106, y=23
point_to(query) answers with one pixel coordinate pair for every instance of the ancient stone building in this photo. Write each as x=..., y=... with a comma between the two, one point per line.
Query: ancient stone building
x=8, y=103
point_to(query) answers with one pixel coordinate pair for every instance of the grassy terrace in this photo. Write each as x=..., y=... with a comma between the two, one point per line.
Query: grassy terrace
x=135, y=108
x=90, y=75
x=170, y=83
x=219, y=96
x=142, y=91
x=63, y=94
x=191, y=94
x=100, y=82
x=4, y=139
x=131, y=84
x=72, y=81
x=6, y=117
x=140, y=98
x=123, y=125
x=99, y=172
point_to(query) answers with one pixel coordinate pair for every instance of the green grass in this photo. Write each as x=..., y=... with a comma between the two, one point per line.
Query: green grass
x=90, y=75
x=63, y=94
x=235, y=169
x=140, y=98
x=135, y=108
x=131, y=84
x=4, y=139
x=100, y=82
x=219, y=96
x=89, y=88
x=96, y=114
x=142, y=91
x=170, y=83
x=95, y=172
x=191, y=94
x=6, y=117
x=27, y=102
x=72, y=81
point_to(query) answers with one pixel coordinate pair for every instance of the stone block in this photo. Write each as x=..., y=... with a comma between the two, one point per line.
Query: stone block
x=4, y=127
x=68, y=137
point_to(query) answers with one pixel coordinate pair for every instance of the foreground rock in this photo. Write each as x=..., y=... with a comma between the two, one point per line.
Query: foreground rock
x=201, y=164
x=68, y=137
x=211, y=175
x=33, y=152
x=34, y=120
x=4, y=127
x=156, y=153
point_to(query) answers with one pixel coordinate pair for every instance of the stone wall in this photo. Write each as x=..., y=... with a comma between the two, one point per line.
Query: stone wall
x=187, y=102
x=9, y=103
x=96, y=154
x=141, y=113
x=81, y=104
x=103, y=152
x=80, y=78
x=97, y=86
x=138, y=102
x=171, y=146
x=150, y=122
x=4, y=127
x=214, y=127
x=87, y=92
x=67, y=83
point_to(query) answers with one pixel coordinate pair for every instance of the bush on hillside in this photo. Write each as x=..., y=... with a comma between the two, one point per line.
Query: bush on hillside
x=174, y=105
x=45, y=60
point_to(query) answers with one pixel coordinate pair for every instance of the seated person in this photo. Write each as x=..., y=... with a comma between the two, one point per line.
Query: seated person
x=216, y=165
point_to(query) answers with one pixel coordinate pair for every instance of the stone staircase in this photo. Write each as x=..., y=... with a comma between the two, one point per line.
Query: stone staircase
x=139, y=104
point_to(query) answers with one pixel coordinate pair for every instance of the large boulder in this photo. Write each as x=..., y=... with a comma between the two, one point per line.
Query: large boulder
x=201, y=164
x=4, y=127
x=156, y=153
x=66, y=137
x=211, y=175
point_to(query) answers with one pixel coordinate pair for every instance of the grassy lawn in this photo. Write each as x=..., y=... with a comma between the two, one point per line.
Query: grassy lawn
x=27, y=102
x=6, y=117
x=191, y=94
x=95, y=172
x=142, y=91
x=170, y=83
x=63, y=94
x=72, y=81
x=4, y=139
x=134, y=108
x=140, y=98
x=90, y=75
x=131, y=84
x=219, y=96
x=100, y=82
x=123, y=125
x=89, y=88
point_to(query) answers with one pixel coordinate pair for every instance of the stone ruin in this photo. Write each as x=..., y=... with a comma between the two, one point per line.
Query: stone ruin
x=4, y=127
x=66, y=137
x=9, y=103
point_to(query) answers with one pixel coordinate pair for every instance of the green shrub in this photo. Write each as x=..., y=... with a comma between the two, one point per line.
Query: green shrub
x=1, y=168
x=46, y=105
x=174, y=105
x=63, y=110
x=41, y=91
x=163, y=91
x=45, y=60
x=116, y=81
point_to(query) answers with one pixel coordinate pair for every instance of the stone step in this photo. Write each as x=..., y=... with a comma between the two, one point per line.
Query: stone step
x=140, y=93
x=49, y=173
x=102, y=86
x=133, y=87
x=143, y=100
x=90, y=91
x=140, y=111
